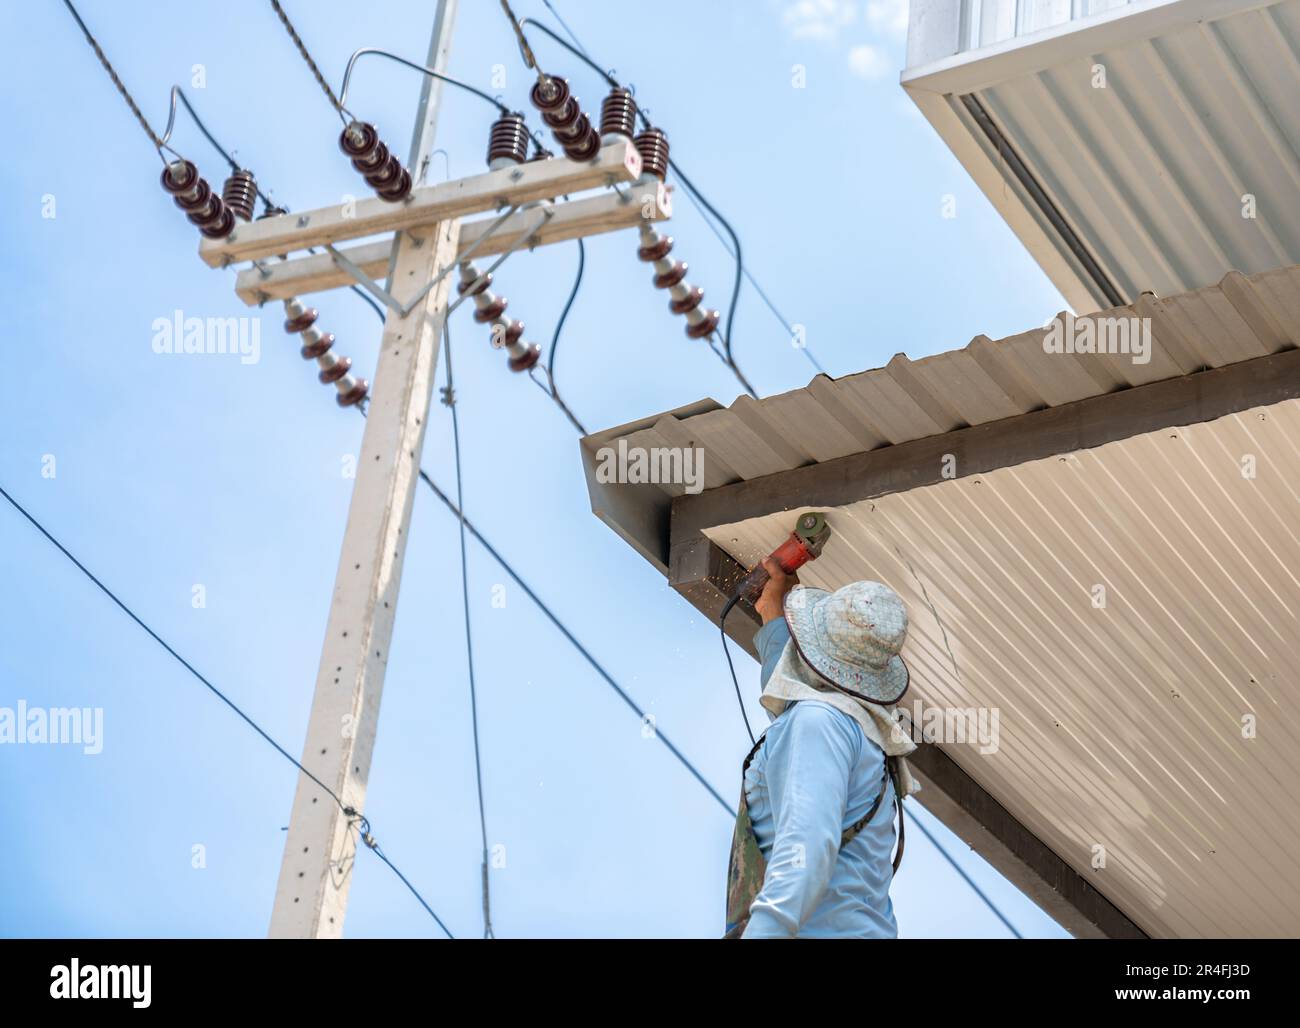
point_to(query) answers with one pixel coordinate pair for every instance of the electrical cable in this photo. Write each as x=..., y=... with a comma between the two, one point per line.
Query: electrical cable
x=965, y=877
x=574, y=642
x=347, y=75
x=449, y=400
x=302, y=49
x=726, y=650
x=354, y=817
x=154, y=138
x=554, y=391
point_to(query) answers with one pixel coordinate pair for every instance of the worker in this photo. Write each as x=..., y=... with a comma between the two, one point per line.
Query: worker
x=810, y=857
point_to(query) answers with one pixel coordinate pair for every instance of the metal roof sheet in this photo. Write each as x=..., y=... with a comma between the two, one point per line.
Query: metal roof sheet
x=1240, y=318
x=1152, y=169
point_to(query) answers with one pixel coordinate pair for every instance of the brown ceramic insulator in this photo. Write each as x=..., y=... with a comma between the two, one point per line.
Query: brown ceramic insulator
x=508, y=139
x=688, y=302
x=400, y=190
x=657, y=250
x=473, y=286
x=386, y=175
x=652, y=145
x=179, y=176
x=491, y=310
x=355, y=395
x=240, y=194
x=703, y=328
x=672, y=276
x=358, y=140
x=513, y=333
x=587, y=147
x=548, y=93
x=195, y=197
x=302, y=322
x=207, y=212
x=373, y=161
x=618, y=114
x=335, y=371
x=527, y=359
x=565, y=118
x=318, y=347
x=221, y=226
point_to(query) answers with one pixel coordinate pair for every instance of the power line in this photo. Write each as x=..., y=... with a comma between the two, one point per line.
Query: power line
x=554, y=391
x=354, y=817
x=965, y=877
x=573, y=640
x=121, y=88
x=306, y=56
x=449, y=399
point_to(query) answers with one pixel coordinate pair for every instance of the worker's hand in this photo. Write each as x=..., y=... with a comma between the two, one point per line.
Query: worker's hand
x=771, y=603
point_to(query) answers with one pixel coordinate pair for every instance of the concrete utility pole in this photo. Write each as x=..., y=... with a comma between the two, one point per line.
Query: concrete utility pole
x=315, y=873
x=430, y=238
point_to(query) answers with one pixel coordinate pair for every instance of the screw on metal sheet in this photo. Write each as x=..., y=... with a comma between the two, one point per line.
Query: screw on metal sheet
x=516, y=175
x=302, y=220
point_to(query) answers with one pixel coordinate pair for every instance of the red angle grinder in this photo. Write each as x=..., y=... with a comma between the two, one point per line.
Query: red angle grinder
x=805, y=544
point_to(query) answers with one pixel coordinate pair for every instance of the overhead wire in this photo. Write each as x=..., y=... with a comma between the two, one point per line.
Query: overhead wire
x=552, y=390
x=158, y=142
x=355, y=818
x=449, y=400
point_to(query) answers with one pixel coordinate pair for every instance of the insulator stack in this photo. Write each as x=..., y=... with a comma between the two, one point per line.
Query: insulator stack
x=617, y=116
x=671, y=275
x=240, y=194
x=195, y=197
x=382, y=169
x=652, y=145
x=508, y=142
x=317, y=345
x=563, y=113
x=489, y=309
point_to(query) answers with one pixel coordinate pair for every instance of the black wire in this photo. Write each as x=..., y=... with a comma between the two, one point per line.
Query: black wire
x=573, y=640
x=722, y=627
x=965, y=877
x=350, y=812
x=449, y=399
x=117, y=81
x=234, y=166
x=555, y=340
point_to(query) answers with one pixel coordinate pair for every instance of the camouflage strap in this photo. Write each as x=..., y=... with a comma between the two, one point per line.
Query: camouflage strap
x=746, y=867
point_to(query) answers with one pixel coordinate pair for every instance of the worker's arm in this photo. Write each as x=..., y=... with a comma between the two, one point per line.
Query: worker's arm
x=807, y=772
x=770, y=640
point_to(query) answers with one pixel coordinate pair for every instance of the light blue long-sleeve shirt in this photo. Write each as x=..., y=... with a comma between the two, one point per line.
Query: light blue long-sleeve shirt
x=814, y=776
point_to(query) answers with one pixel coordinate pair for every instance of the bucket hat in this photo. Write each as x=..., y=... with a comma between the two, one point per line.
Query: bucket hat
x=852, y=638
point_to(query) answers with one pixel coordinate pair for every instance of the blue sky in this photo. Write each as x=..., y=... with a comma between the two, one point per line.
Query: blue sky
x=176, y=471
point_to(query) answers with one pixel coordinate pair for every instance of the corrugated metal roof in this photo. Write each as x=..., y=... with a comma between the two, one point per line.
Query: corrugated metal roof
x=1238, y=319
x=1152, y=169
x=1121, y=726
x=1151, y=166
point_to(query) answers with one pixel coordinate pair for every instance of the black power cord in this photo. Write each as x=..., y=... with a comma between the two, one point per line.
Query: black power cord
x=726, y=650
